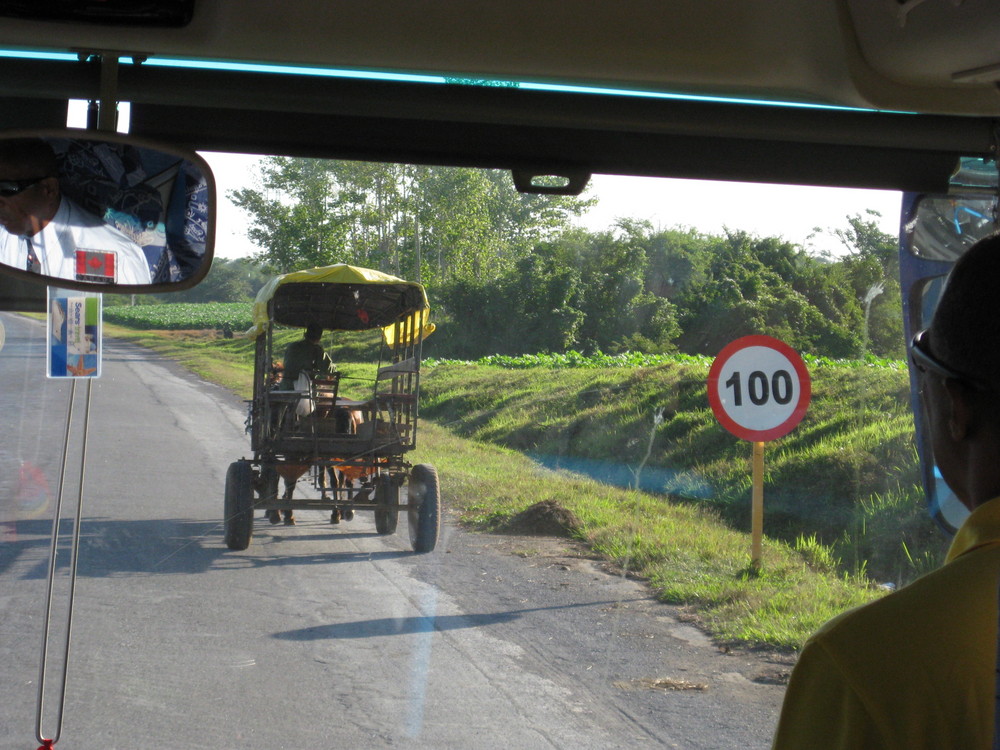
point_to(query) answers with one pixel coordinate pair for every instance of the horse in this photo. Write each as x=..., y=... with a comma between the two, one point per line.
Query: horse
x=275, y=374
x=346, y=422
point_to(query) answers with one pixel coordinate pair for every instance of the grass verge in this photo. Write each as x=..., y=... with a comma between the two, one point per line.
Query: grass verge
x=688, y=555
x=847, y=476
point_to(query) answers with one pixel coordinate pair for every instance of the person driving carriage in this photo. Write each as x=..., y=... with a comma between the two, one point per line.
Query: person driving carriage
x=352, y=450
x=306, y=355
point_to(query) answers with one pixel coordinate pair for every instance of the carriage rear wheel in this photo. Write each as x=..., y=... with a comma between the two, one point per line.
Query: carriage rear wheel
x=386, y=494
x=423, y=508
x=239, y=505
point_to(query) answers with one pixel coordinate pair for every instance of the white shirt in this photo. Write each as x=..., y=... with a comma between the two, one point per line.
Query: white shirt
x=77, y=240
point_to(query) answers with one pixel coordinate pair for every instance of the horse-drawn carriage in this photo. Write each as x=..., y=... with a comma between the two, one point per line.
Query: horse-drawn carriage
x=352, y=449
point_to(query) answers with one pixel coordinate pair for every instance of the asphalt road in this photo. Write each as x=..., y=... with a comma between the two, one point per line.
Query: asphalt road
x=317, y=635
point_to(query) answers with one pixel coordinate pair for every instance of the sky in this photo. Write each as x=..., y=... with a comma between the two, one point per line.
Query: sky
x=791, y=212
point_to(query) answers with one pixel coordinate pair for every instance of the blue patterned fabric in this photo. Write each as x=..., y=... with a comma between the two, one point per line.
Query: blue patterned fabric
x=156, y=199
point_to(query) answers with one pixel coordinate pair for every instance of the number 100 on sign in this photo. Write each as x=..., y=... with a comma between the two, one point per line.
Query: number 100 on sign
x=758, y=388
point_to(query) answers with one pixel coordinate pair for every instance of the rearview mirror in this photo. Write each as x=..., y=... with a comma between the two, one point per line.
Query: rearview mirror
x=104, y=212
x=942, y=227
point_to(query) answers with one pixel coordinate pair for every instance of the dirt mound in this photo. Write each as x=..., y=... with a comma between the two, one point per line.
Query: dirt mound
x=192, y=334
x=546, y=518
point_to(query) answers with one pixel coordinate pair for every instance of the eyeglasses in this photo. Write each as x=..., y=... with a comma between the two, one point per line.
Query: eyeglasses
x=10, y=188
x=924, y=361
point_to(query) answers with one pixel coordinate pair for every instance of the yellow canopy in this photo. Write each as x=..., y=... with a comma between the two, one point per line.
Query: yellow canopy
x=342, y=297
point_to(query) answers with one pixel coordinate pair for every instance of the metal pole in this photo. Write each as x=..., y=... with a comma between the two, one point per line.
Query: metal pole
x=74, y=560
x=107, y=118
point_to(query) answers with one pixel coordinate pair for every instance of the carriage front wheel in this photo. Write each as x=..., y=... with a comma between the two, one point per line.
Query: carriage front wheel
x=239, y=505
x=423, y=508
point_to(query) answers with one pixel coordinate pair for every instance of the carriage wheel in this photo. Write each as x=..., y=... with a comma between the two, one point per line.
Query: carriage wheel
x=239, y=505
x=386, y=493
x=423, y=508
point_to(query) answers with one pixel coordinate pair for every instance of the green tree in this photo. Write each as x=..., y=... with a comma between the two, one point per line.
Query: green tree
x=872, y=273
x=296, y=214
x=678, y=258
x=434, y=223
x=750, y=287
x=531, y=309
x=619, y=312
x=235, y=280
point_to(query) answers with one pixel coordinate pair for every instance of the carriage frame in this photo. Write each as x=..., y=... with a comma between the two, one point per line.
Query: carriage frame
x=313, y=431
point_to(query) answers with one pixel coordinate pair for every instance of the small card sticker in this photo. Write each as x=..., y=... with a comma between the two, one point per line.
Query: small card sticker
x=96, y=265
x=74, y=334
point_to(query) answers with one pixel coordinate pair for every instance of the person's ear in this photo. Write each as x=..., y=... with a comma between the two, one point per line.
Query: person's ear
x=959, y=410
x=50, y=186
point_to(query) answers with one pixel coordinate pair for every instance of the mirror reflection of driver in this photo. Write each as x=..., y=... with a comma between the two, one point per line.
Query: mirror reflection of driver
x=44, y=232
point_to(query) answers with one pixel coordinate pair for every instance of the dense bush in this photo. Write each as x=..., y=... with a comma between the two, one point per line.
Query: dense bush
x=637, y=289
x=576, y=359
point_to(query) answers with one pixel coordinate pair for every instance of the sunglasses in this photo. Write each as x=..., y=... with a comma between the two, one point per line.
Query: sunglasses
x=10, y=188
x=924, y=361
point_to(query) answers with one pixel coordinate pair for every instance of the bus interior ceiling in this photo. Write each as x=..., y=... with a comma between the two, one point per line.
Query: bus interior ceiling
x=879, y=95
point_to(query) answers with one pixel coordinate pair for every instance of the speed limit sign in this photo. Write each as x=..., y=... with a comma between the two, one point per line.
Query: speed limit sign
x=759, y=388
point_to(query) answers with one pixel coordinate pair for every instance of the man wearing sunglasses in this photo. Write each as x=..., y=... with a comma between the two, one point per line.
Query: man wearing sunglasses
x=917, y=668
x=42, y=231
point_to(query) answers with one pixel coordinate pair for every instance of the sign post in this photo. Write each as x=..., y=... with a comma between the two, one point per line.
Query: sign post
x=759, y=390
x=757, y=507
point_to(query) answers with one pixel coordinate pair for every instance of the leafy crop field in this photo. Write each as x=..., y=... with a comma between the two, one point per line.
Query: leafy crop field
x=183, y=316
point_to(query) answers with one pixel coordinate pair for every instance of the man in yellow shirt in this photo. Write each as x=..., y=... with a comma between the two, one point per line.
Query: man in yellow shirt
x=916, y=669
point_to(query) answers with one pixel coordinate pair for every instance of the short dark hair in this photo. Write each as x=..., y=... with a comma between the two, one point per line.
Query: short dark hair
x=31, y=153
x=965, y=329
x=314, y=331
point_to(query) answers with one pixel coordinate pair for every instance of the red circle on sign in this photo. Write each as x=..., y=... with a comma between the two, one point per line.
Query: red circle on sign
x=762, y=422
